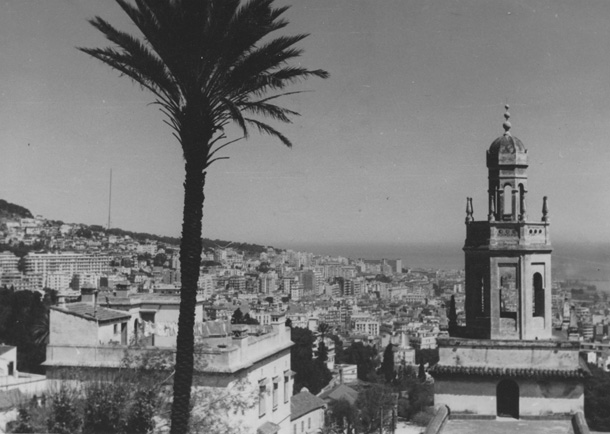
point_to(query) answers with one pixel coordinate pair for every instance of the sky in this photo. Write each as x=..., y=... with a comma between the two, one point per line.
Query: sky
x=385, y=151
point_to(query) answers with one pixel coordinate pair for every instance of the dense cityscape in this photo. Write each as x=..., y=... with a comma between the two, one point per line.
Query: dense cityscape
x=108, y=290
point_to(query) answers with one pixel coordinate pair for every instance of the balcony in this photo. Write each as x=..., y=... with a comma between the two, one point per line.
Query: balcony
x=507, y=235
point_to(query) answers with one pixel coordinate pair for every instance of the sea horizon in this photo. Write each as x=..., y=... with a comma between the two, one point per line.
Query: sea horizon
x=570, y=260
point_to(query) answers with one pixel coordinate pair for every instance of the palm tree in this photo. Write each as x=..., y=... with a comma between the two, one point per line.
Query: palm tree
x=207, y=65
x=40, y=329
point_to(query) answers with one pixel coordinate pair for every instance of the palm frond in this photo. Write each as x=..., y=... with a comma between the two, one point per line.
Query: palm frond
x=140, y=57
x=157, y=22
x=269, y=110
x=235, y=115
x=267, y=129
x=267, y=57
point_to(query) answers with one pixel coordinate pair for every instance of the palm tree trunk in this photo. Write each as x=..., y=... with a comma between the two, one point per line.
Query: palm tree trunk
x=190, y=260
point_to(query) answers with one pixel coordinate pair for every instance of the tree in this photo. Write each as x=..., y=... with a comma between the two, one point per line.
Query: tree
x=323, y=329
x=597, y=399
x=322, y=352
x=237, y=317
x=339, y=353
x=207, y=67
x=387, y=366
x=375, y=405
x=22, y=315
x=263, y=267
x=365, y=357
x=428, y=356
x=159, y=259
x=421, y=374
x=311, y=373
x=249, y=320
x=343, y=415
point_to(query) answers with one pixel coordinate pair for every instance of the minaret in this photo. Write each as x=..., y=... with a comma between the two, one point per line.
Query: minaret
x=507, y=257
x=505, y=362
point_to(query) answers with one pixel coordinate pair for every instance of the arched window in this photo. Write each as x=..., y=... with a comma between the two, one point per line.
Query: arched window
x=538, y=307
x=521, y=202
x=508, y=201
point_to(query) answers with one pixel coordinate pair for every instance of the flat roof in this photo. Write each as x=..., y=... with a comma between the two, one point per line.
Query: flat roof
x=87, y=311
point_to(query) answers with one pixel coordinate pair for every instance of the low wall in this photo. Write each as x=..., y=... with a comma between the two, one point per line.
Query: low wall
x=28, y=384
x=579, y=424
x=438, y=421
x=537, y=399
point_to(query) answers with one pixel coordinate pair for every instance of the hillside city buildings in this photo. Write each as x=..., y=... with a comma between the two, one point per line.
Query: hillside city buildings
x=117, y=293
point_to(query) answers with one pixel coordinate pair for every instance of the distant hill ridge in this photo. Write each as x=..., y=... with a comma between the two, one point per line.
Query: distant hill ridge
x=8, y=209
x=12, y=211
x=206, y=242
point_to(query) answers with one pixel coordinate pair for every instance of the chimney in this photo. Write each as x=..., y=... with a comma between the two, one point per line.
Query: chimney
x=89, y=295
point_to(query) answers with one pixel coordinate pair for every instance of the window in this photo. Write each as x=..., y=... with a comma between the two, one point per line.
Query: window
x=508, y=201
x=276, y=387
x=262, y=404
x=116, y=329
x=286, y=388
x=294, y=428
x=302, y=425
x=309, y=423
x=538, y=308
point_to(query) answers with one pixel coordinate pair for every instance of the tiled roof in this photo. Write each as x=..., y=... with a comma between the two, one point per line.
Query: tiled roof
x=268, y=428
x=6, y=348
x=494, y=371
x=87, y=311
x=304, y=402
x=341, y=392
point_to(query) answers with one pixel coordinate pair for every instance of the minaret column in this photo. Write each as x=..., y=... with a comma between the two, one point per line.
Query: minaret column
x=492, y=206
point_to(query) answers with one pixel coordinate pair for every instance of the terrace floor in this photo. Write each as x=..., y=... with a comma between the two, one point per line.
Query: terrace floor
x=507, y=425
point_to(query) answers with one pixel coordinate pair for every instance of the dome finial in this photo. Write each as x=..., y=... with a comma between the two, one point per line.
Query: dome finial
x=506, y=123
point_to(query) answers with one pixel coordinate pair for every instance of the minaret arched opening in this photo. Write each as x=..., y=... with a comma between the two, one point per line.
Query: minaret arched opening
x=538, y=307
x=507, y=196
x=522, y=192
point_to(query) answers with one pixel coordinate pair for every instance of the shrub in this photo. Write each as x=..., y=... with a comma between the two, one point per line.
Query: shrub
x=104, y=408
x=423, y=417
x=140, y=415
x=64, y=417
x=23, y=424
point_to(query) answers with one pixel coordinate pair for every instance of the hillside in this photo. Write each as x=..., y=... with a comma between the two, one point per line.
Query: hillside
x=208, y=244
x=11, y=210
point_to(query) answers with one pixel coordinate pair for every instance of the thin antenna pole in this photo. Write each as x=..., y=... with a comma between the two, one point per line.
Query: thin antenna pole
x=109, y=199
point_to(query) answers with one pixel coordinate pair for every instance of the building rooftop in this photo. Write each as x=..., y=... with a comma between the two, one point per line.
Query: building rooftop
x=495, y=371
x=341, y=392
x=87, y=311
x=304, y=402
x=6, y=348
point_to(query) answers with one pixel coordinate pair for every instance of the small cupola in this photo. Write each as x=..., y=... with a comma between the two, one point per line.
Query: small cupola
x=506, y=150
